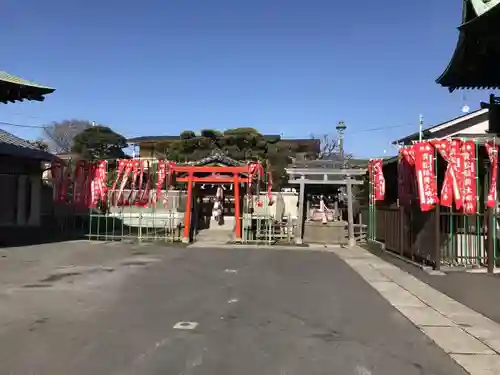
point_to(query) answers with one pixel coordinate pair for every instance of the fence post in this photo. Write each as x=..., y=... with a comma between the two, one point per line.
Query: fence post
x=401, y=229
x=437, y=234
x=489, y=233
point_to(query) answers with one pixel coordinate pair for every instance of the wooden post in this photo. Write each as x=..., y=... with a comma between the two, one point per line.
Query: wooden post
x=437, y=239
x=187, y=214
x=237, y=213
x=402, y=234
x=298, y=238
x=490, y=233
x=350, y=218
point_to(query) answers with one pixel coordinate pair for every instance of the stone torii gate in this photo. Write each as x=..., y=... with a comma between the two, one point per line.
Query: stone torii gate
x=321, y=172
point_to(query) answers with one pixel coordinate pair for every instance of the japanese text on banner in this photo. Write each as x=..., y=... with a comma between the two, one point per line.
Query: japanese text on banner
x=492, y=150
x=470, y=174
x=426, y=179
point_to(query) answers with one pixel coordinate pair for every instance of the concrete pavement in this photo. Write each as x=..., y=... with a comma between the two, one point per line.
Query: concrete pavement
x=470, y=338
x=478, y=291
x=255, y=311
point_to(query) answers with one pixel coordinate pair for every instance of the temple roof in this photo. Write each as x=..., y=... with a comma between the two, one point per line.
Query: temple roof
x=474, y=64
x=14, y=89
x=217, y=157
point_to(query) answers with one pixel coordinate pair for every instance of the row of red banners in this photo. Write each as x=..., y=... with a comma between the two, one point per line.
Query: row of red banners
x=88, y=182
x=417, y=175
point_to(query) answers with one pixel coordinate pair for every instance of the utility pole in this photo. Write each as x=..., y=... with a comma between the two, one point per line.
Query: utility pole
x=420, y=126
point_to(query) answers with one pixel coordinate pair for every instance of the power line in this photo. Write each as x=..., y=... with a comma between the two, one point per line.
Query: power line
x=355, y=132
x=22, y=125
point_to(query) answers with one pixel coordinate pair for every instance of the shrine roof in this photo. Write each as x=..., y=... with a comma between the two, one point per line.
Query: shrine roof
x=216, y=158
x=333, y=161
x=474, y=64
x=14, y=89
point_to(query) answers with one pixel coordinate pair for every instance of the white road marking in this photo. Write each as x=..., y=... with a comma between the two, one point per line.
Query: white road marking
x=227, y=270
x=362, y=370
x=234, y=300
x=185, y=325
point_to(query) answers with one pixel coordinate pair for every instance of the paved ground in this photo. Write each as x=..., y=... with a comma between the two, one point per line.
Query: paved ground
x=480, y=292
x=469, y=337
x=111, y=310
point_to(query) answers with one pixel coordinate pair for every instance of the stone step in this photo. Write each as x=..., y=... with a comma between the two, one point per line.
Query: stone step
x=215, y=235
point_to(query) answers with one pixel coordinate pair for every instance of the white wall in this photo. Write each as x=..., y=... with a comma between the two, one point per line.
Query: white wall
x=479, y=128
x=285, y=204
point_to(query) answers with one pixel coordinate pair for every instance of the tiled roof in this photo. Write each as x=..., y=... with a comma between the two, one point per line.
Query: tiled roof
x=9, y=78
x=474, y=63
x=15, y=146
x=217, y=157
x=27, y=90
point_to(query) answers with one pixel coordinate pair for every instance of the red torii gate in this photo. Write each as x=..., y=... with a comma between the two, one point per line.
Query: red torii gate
x=236, y=175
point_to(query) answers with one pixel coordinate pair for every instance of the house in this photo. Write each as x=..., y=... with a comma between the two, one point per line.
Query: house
x=443, y=236
x=20, y=166
x=470, y=125
x=20, y=181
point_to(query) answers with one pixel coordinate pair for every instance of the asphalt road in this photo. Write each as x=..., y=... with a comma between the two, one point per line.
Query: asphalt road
x=258, y=312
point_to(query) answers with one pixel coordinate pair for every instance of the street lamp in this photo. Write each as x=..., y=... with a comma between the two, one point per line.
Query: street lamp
x=341, y=127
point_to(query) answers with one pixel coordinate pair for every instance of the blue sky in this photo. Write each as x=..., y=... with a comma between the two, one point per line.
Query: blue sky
x=156, y=67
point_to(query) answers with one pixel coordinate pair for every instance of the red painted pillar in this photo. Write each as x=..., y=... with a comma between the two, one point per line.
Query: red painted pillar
x=237, y=214
x=189, y=205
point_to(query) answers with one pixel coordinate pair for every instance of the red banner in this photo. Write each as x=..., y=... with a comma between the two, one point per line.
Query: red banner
x=59, y=186
x=377, y=179
x=426, y=179
x=469, y=179
x=79, y=183
x=160, y=179
x=408, y=155
x=450, y=151
x=406, y=175
x=406, y=182
x=98, y=184
x=492, y=150
x=129, y=165
x=142, y=197
x=255, y=169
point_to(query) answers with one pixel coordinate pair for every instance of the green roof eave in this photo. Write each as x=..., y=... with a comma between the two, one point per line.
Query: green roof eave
x=13, y=88
x=475, y=61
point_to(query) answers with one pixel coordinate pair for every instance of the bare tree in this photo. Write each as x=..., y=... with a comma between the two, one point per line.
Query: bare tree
x=59, y=135
x=329, y=147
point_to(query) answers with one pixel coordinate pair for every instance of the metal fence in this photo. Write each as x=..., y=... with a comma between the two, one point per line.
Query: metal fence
x=158, y=223
x=441, y=237
x=262, y=223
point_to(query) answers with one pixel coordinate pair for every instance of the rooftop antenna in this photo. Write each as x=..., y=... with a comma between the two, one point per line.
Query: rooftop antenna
x=420, y=125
